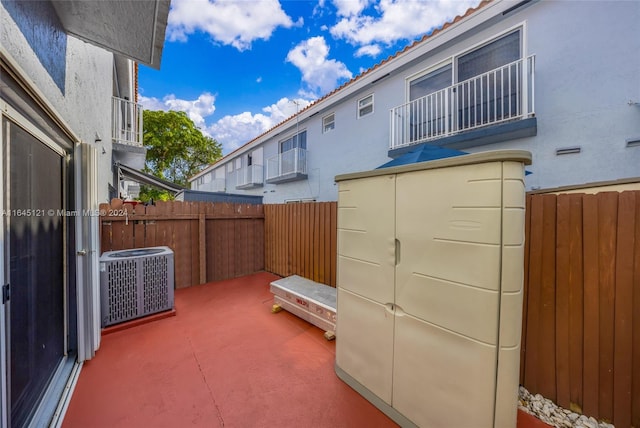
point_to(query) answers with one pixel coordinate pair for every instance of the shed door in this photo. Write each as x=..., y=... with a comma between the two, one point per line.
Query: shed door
x=35, y=269
x=366, y=269
x=448, y=223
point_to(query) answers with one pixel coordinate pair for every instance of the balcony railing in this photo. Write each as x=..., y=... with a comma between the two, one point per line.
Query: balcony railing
x=503, y=94
x=127, y=122
x=288, y=166
x=249, y=177
x=215, y=185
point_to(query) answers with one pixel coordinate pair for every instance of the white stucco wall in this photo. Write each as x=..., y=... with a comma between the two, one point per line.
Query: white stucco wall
x=587, y=71
x=76, y=78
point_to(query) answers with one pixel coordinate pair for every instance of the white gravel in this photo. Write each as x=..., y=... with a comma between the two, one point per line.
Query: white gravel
x=548, y=412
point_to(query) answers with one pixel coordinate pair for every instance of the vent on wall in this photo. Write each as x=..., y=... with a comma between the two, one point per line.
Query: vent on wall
x=568, y=150
x=135, y=283
x=633, y=142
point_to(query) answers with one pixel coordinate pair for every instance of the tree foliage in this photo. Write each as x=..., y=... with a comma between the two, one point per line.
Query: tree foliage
x=176, y=149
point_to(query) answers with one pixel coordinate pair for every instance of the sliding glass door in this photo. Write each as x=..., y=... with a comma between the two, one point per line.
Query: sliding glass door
x=34, y=257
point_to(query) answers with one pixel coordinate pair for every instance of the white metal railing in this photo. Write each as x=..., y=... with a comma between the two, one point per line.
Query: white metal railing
x=249, y=175
x=215, y=185
x=127, y=122
x=293, y=161
x=505, y=93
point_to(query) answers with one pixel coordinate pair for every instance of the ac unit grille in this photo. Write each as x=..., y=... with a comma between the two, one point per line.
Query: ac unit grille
x=135, y=283
x=155, y=284
x=122, y=291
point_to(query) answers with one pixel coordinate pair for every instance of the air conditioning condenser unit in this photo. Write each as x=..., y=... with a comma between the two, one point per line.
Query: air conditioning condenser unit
x=135, y=283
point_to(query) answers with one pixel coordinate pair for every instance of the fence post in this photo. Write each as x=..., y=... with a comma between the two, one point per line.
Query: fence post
x=202, y=244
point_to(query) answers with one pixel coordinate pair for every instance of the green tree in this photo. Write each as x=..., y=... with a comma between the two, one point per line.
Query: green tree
x=176, y=150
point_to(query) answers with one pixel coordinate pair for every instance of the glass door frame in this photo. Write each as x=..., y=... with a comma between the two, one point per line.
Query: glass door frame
x=11, y=117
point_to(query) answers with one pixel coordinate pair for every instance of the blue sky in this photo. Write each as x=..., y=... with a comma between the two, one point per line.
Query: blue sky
x=239, y=67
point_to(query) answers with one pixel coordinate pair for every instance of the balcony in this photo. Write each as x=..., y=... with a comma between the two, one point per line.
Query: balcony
x=471, y=110
x=127, y=123
x=288, y=166
x=215, y=185
x=249, y=177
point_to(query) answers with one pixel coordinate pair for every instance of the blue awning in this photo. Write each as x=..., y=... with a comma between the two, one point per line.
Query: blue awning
x=423, y=153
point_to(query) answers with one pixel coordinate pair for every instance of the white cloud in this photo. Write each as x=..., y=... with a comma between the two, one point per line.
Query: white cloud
x=233, y=131
x=152, y=103
x=229, y=22
x=318, y=10
x=196, y=109
x=319, y=74
x=371, y=50
x=285, y=108
x=398, y=19
x=350, y=7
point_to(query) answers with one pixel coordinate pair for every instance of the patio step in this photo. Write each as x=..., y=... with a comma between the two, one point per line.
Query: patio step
x=309, y=300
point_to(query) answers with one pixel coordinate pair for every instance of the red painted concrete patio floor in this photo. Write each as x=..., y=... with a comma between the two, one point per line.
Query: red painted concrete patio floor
x=223, y=360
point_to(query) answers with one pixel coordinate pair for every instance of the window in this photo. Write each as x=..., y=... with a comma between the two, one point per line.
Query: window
x=238, y=163
x=427, y=114
x=490, y=56
x=220, y=178
x=328, y=123
x=365, y=106
x=298, y=141
x=430, y=82
x=257, y=156
x=493, y=88
x=477, y=87
x=249, y=160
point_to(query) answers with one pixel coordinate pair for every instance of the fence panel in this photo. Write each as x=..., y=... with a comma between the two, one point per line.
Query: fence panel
x=300, y=239
x=581, y=314
x=210, y=241
x=581, y=322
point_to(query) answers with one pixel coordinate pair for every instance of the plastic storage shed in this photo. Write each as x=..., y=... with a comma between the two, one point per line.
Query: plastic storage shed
x=430, y=274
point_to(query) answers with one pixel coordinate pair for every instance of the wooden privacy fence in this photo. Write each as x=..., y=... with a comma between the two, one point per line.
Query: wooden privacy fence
x=210, y=241
x=581, y=321
x=301, y=239
x=581, y=314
